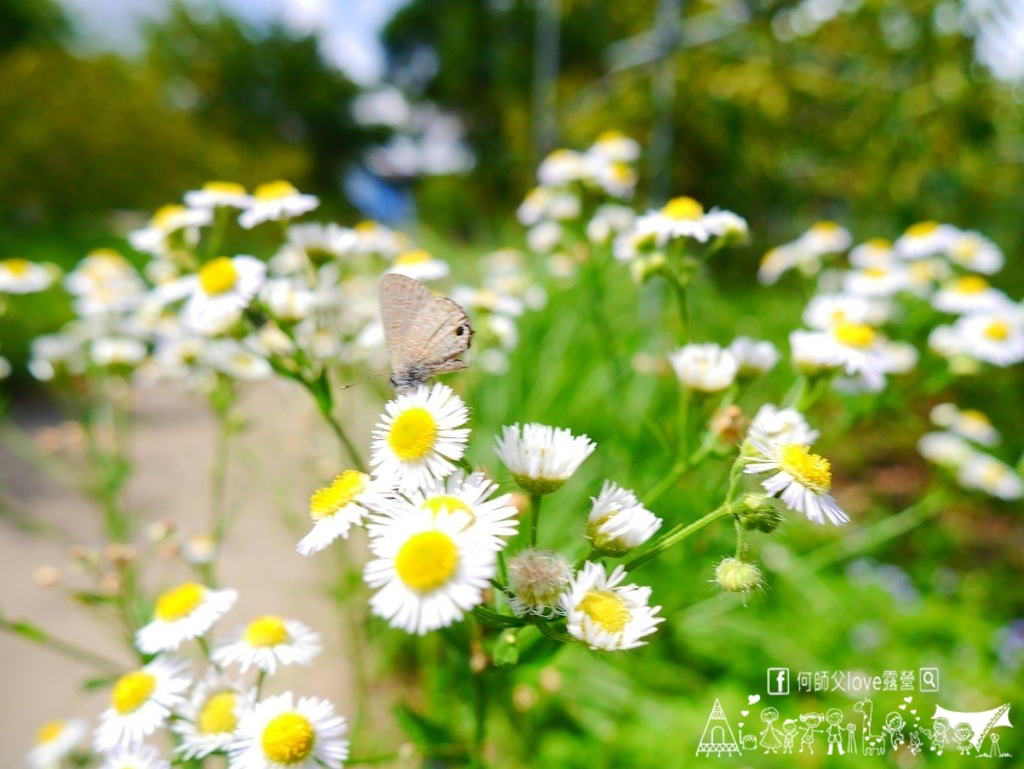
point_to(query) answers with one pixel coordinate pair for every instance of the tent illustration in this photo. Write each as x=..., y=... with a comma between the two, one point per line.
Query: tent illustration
x=718, y=737
x=982, y=722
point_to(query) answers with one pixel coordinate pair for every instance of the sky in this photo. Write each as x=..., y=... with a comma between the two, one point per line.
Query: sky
x=348, y=28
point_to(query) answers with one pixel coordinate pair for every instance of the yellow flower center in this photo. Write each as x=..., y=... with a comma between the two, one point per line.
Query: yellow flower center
x=427, y=560
x=876, y=272
x=771, y=256
x=49, y=731
x=621, y=172
x=17, y=267
x=218, y=714
x=880, y=243
x=132, y=690
x=366, y=226
x=224, y=188
x=266, y=631
x=419, y=256
x=993, y=474
x=856, y=335
x=606, y=609
x=179, y=602
x=975, y=415
x=825, y=228
x=343, y=491
x=165, y=216
x=218, y=276
x=683, y=208
x=288, y=738
x=810, y=470
x=275, y=190
x=921, y=229
x=446, y=502
x=972, y=284
x=610, y=136
x=412, y=434
x=998, y=330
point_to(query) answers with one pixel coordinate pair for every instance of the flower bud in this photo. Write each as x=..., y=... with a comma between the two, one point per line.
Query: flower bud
x=759, y=512
x=737, y=576
x=729, y=425
x=536, y=578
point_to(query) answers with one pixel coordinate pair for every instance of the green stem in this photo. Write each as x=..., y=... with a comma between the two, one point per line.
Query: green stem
x=677, y=535
x=480, y=717
x=683, y=301
x=42, y=638
x=535, y=500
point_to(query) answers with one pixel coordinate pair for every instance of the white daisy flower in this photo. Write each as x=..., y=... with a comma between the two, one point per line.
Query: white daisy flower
x=902, y=357
x=56, y=740
x=374, y=238
x=726, y=224
x=536, y=580
x=608, y=221
x=419, y=265
x=975, y=252
x=104, y=282
x=824, y=238
x=280, y=733
x=926, y=239
x=219, y=195
x=753, y=357
x=616, y=178
x=288, y=299
x=116, y=351
x=20, y=276
x=322, y=242
x=541, y=458
x=825, y=311
x=681, y=217
x=877, y=281
x=877, y=252
x=495, y=520
x=544, y=203
x=635, y=243
x=419, y=437
x=337, y=508
x=606, y=615
x=487, y=300
x=232, y=359
x=988, y=474
x=618, y=522
x=783, y=425
x=800, y=479
x=430, y=568
x=615, y=146
x=267, y=641
x=924, y=274
x=946, y=449
x=777, y=261
x=135, y=757
x=704, y=367
x=140, y=703
x=996, y=337
x=856, y=348
x=968, y=423
x=184, y=612
x=544, y=236
x=967, y=295
x=562, y=167
x=221, y=289
x=211, y=715
x=168, y=220
x=947, y=342
x=276, y=200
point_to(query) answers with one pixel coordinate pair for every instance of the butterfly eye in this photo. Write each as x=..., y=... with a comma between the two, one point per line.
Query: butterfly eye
x=460, y=331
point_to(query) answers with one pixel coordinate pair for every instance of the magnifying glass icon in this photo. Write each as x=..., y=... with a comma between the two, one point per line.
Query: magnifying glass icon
x=929, y=680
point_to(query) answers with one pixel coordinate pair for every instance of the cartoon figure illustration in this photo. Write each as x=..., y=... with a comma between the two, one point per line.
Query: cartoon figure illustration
x=770, y=740
x=994, y=751
x=982, y=723
x=812, y=723
x=874, y=744
x=938, y=735
x=915, y=742
x=851, y=738
x=963, y=734
x=894, y=728
x=789, y=728
x=834, y=718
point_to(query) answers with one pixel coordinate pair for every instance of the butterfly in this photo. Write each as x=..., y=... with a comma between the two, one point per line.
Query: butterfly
x=425, y=333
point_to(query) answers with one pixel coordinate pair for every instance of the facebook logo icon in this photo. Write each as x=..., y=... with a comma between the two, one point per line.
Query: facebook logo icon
x=778, y=681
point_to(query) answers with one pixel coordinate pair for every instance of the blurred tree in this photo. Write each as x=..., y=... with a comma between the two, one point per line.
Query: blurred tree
x=879, y=116
x=31, y=21
x=264, y=87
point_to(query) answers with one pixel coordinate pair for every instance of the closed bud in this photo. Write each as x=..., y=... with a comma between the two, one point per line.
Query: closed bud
x=729, y=425
x=737, y=576
x=759, y=512
x=536, y=578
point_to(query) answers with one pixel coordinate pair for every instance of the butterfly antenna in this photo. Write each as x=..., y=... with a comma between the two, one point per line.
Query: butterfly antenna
x=364, y=379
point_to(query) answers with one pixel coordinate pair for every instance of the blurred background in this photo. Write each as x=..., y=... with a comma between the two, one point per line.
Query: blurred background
x=431, y=116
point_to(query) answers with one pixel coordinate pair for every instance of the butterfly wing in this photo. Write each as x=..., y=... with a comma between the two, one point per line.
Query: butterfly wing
x=425, y=333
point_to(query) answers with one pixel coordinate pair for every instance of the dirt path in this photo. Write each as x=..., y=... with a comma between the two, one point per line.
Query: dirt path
x=273, y=469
